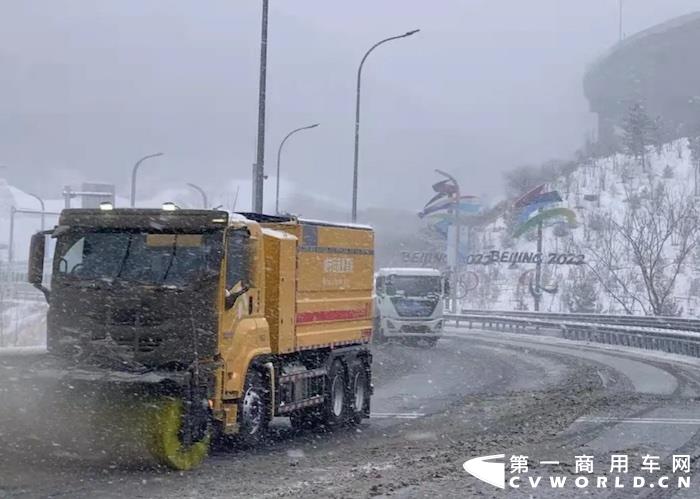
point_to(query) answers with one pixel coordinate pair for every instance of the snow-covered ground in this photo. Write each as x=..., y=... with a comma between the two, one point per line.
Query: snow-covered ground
x=22, y=316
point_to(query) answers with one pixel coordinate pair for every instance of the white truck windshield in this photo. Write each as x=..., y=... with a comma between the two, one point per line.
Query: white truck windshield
x=413, y=285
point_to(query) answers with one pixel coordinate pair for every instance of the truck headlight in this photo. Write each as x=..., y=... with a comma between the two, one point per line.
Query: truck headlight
x=439, y=324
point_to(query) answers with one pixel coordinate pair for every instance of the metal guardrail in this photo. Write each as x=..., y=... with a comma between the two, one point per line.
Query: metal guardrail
x=595, y=328
x=656, y=322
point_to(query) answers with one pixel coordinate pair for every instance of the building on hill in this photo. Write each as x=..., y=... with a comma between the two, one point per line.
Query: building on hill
x=656, y=68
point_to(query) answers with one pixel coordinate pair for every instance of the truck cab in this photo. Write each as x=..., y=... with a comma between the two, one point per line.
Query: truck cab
x=409, y=305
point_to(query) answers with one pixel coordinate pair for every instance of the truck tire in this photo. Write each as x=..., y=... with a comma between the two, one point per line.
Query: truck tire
x=253, y=410
x=336, y=410
x=358, y=390
x=431, y=342
x=377, y=333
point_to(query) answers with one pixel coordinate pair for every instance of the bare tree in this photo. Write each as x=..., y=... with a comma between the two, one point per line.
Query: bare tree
x=606, y=259
x=694, y=146
x=649, y=246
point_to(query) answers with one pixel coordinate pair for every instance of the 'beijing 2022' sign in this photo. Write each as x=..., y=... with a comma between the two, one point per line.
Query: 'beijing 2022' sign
x=436, y=259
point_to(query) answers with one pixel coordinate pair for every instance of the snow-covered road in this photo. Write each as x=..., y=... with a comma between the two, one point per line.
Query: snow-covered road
x=477, y=393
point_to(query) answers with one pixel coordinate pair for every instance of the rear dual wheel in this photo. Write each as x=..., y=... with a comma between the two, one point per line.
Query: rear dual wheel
x=346, y=399
x=337, y=408
x=359, y=391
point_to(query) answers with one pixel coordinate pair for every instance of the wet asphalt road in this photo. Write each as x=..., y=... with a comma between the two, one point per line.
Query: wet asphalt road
x=431, y=407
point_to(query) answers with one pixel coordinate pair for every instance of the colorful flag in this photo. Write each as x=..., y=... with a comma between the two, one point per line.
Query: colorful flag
x=469, y=207
x=527, y=198
x=537, y=203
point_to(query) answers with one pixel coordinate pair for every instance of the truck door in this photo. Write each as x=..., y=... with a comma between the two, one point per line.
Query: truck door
x=237, y=321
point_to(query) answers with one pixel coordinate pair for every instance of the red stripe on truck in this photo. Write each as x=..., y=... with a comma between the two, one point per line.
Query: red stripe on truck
x=331, y=315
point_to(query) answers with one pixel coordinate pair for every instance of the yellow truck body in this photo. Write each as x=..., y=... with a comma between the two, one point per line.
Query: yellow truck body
x=239, y=318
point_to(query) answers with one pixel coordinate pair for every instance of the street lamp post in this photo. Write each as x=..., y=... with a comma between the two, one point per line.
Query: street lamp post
x=620, y=22
x=259, y=166
x=357, y=115
x=201, y=193
x=43, y=208
x=279, y=154
x=133, y=175
x=457, y=229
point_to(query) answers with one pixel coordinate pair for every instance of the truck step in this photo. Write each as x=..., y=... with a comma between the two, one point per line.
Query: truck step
x=313, y=373
x=286, y=408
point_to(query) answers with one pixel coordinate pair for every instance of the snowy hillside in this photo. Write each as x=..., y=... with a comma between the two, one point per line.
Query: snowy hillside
x=636, y=231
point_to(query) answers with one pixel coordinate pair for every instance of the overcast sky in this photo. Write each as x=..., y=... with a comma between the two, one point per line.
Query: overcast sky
x=88, y=87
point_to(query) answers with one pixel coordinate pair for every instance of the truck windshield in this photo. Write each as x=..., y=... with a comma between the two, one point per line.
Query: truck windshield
x=152, y=259
x=413, y=285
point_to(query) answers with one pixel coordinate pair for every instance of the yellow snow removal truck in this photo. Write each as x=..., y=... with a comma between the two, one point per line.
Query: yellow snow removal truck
x=187, y=325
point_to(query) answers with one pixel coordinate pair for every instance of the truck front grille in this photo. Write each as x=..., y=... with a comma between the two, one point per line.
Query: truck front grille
x=414, y=307
x=415, y=328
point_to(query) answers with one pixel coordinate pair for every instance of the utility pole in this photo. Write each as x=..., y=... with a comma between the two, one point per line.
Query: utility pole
x=538, y=269
x=457, y=229
x=620, y=27
x=258, y=167
x=11, y=243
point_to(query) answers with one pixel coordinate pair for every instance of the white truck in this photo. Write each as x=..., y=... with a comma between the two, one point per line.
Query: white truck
x=409, y=305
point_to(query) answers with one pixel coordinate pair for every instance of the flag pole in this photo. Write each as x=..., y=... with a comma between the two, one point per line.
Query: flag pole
x=538, y=269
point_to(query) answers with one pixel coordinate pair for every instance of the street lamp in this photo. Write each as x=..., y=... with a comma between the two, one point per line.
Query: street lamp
x=279, y=154
x=202, y=193
x=43, y=207
x=620, y=21
x=455, y=265
x=133, y=175
x=357, y=116
x=259, y=166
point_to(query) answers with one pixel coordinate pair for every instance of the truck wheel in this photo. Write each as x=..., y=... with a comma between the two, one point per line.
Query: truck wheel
x=337, y=404
x=253, y=409
x=164, y=436
x=431, y=342
x=359, y=391
x=378, y=334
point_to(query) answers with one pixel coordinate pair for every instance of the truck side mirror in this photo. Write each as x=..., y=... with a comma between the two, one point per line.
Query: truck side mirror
x=35, y=272
x=231, y=297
